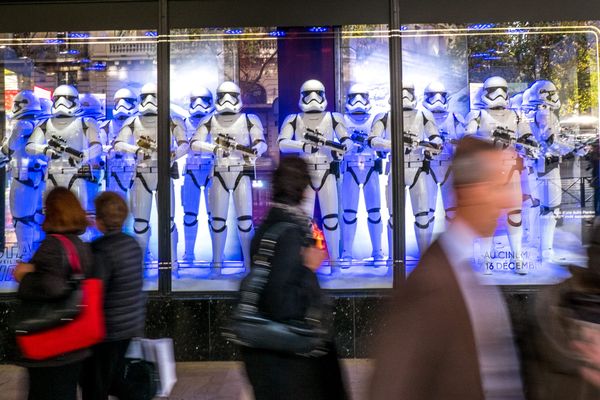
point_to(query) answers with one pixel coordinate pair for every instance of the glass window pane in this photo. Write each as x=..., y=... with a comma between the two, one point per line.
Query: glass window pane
x=260, y=82
x=68, y=96
x=530, y=88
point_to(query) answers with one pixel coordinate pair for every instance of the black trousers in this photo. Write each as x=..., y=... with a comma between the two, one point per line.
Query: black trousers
x=54, y=383
x=99, y=374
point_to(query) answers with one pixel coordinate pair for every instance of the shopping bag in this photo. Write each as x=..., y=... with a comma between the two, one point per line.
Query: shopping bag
x=160, y=353
x=85, y=330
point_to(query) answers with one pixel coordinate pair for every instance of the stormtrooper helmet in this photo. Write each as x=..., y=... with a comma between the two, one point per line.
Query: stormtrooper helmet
x=229, y=98
x=409, y=100
x=526, y=105
x=25, y=103
x=125, y=103
x=436, y=97
x=495, y=93
x=91, y=106
x=545, y=93
x=477, y=102
x=201, y=102
x=65, y=101
x=312, y=97
x=148, y=100
x=516, y=102
x=357, y=100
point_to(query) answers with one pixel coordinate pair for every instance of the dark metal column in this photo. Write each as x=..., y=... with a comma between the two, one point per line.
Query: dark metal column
x=164, y=152
x=396, y=125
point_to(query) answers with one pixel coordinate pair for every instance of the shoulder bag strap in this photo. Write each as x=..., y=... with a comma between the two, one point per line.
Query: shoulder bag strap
x=72, y=254
x=261, y=266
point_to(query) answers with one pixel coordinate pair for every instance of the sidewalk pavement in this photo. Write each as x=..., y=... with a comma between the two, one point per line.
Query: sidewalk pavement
x=201, y=381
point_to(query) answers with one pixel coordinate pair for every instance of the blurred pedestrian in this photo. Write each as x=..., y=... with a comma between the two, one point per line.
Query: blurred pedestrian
x=118, y=260
x=45, y=279
x=566, y=334
x=448, y=336
x=291, y=291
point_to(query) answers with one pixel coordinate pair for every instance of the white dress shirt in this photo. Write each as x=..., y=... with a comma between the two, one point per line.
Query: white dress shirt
x=497, y=356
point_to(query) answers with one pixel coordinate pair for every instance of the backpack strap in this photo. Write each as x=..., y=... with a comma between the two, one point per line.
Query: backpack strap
x=72, y=254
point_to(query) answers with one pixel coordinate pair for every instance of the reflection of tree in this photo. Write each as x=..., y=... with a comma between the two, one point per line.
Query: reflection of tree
x=567, y=59
x=257, y=60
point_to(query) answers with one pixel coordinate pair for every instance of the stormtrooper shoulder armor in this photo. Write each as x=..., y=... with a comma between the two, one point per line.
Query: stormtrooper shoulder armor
x=337, y=118
x=291, y=120
x=253, y=120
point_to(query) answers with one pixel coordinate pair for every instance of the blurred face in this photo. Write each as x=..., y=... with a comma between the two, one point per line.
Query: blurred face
x=483, y=203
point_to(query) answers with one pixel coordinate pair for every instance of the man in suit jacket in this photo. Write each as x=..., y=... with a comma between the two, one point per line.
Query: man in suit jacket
x=448, y=336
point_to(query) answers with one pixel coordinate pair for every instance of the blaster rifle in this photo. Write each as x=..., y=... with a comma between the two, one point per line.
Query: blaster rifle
x=360, y=139
x=315, y=137
x=430, y=149
x=148, y=145
x=503, y=137
x=411, y=140
x=528, y=147
x=228, y=143
x=59, y=145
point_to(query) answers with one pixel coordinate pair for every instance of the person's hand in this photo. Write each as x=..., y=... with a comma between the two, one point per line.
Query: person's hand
x=589, y=350
x=21, y=270
x=313, y=257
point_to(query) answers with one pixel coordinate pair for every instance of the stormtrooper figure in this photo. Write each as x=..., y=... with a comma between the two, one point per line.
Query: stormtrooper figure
x=451, y=129
x=313, y=133
x=69, y=141
x=521, y=103
x=554, y=146
x=92, y=108
x=27, y=172
x=139, y=136
x=235, y=139
x=503, y=126
x=362, y=167
x=120, y=167
x=421, y=143
x=197, y=170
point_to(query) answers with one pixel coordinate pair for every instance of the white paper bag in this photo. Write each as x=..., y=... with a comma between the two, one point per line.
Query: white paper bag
x=160, y=353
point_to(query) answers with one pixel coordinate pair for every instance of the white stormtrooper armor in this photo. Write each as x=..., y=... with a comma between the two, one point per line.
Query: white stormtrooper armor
x=26, y=172
x=197, y=170
x=503, y=126
x=139, y=136
x=120, y=166
x=235, y=139
x=322, y=160
x=92, y=108
x=451, y=128
x=362, y=167
x=421, y=142
x=69, y=141
x=554, y=146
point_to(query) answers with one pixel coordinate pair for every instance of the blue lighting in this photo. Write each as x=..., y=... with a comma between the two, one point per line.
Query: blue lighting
x=97, y=66
x=79, y=35
x=403, y=27
x=481, y=26
x=151, y=33
x=236, y=31
x=54, y=41
x=72, y=51
x=492, y=58
x=318, y=29
x=85, y=60
x=277, y=33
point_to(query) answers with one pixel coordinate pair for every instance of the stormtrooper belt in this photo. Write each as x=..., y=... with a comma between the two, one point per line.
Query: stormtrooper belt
x=414, y=164
x=319, y=167
x=127, y=168
x=146, y=170
x=63, y=171
x=206, y=166
x=440, y=163
x=366, y=163
x=229, y=168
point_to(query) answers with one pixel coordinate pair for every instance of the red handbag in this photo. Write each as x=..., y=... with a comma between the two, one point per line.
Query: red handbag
x=85, y=330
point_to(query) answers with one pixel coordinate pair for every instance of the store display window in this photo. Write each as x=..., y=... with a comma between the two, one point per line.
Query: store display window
x=249, y=96
x=73, y=102
x=532, y=88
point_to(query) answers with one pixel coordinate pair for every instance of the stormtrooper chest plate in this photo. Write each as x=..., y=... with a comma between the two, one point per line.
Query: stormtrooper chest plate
x=318, y=122
x=71, y=130
x=415, y=127
x=494, y=119
x=361, y=153
x=195, y=159
x=236, y=127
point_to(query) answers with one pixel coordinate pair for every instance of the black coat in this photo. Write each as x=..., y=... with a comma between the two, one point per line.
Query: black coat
x=291, y=290
x=49, y=282
x=118, y=260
